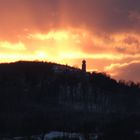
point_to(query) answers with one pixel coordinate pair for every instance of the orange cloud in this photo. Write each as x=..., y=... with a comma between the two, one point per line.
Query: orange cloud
x=128, y=71
x=52, y=35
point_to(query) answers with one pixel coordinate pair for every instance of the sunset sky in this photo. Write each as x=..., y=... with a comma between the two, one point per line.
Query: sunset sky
x=104, y=32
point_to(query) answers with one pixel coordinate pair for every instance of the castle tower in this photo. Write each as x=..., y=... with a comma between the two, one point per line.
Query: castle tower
x=84, y=65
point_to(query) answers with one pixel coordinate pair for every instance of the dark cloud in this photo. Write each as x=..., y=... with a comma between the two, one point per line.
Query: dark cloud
x=99, y=15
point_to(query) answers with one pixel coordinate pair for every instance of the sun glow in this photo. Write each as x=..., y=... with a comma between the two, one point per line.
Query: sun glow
x=41, y=55
x=67, y=46
x=55, y=45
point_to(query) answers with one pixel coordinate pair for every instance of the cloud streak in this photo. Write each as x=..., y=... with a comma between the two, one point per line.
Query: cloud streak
x=19, y=46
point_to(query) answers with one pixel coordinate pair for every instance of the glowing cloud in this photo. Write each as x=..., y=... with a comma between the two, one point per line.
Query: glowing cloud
x=58, y=35
x=19, y=46
x=128, y=71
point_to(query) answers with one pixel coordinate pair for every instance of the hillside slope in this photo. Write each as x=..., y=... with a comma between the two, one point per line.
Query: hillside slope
x=36, y=96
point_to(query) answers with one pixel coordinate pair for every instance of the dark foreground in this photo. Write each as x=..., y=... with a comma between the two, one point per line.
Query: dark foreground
x=37, y=98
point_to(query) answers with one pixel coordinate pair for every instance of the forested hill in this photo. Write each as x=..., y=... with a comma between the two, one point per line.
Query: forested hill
x=41, y=95
x=34, y=73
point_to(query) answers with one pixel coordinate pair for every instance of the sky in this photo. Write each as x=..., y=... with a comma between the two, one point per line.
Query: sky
x=106, y=33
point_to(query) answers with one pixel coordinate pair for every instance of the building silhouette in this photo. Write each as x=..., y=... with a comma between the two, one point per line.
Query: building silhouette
x=84, y=65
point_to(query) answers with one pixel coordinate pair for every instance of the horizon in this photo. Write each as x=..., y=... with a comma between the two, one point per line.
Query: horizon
x=79, y=68
x=104, y=33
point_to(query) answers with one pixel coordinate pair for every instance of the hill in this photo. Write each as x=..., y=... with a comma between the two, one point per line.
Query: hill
x=41, y=96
